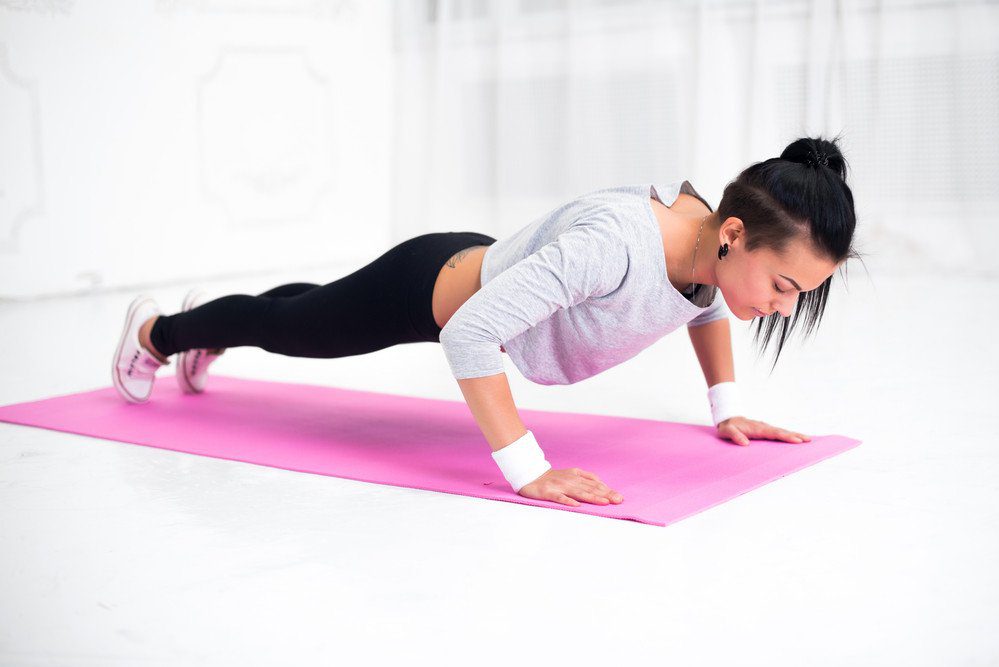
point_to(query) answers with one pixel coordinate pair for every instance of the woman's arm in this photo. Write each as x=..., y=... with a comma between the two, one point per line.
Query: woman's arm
x=590, y=259
x=713, y=345
x=491, y=402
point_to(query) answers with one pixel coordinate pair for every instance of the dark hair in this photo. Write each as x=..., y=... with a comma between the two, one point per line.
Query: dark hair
x=801, y=194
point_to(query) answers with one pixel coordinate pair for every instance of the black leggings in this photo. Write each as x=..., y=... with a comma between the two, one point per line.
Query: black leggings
x=386, y=303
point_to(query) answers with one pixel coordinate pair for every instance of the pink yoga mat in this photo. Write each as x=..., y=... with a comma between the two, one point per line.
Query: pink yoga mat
x=665, y=470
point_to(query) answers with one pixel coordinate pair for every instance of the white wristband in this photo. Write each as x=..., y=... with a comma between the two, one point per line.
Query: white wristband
x=726, y=401
x=522, y=461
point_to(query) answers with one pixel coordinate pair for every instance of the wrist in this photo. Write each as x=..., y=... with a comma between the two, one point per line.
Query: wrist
x=726, y=401
x=522, y=461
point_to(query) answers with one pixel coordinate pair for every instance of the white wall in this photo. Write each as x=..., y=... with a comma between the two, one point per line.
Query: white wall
x=169, y=141
x=512, y=108
x=143, y=143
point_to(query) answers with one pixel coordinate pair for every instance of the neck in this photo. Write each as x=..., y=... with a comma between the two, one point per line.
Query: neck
x=681, y=238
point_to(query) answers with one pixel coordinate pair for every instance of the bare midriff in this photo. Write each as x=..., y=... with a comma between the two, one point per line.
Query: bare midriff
x=457, y=281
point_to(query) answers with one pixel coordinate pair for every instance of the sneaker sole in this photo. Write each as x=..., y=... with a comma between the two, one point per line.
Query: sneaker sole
x=115, y=371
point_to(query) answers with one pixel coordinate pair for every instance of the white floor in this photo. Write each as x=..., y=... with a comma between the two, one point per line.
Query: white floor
x=117, y=554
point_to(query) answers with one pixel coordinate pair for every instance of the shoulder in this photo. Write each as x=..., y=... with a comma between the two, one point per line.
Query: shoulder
x=689, y=205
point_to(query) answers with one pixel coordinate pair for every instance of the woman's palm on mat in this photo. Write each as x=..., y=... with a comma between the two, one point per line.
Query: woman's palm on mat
x=570, y=486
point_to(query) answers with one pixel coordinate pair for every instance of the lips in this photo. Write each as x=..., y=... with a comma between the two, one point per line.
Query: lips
x=761, y=314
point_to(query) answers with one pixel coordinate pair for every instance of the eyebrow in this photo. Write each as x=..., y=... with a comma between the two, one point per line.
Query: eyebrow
x=796, y=285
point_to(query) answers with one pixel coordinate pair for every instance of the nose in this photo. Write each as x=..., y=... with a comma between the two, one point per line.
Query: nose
x=785, y=306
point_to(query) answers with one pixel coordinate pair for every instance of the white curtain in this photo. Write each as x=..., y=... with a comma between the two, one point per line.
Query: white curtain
x=506, y=109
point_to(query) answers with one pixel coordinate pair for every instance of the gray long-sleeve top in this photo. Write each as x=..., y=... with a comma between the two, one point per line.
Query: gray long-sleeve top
x=575, y=292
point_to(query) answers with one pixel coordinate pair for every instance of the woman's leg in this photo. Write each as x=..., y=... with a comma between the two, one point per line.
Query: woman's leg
x=292, y=289
x=386, y=303
x=368, y=310
x=145, y=332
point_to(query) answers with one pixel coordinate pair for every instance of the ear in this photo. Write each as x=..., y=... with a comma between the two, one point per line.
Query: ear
x=731, y=230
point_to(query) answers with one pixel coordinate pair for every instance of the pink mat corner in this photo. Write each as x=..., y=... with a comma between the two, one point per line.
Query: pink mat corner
x=666, y=471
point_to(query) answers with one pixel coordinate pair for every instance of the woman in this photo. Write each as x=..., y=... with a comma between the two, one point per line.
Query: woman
x=579, y=290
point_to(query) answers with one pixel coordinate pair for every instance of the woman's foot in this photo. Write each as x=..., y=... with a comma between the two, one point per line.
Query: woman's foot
x=146, y=342
x=134, y=366
x=192, y=365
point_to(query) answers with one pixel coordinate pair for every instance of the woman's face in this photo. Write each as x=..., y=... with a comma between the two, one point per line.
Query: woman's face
x=762, y=280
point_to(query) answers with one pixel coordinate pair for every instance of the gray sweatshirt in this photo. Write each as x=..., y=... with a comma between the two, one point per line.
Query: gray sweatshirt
x=579, y=290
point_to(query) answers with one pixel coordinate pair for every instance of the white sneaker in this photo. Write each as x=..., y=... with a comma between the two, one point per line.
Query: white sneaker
x=134, y=367
x=192, y=365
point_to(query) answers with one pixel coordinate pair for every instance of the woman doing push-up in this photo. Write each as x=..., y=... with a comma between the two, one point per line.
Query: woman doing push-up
x=577, y=291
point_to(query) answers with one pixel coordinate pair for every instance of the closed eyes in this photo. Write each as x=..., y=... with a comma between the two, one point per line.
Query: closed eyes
x=792, y=281
x=779, y=290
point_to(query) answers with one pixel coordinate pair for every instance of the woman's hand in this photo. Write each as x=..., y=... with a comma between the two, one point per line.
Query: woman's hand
x=739, y=430
x=569, y=487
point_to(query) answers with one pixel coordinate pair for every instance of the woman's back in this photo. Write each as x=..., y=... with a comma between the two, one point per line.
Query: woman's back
x=578, y=290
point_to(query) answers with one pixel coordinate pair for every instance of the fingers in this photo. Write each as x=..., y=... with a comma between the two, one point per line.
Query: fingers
x=736, y=436
x=596, y=494
x=569, y=487
x=594, y=485
x=566, y=500
x=587, y=496
x=592, y=482
x=764, y=430
x=790, y=436
x=741, y=438
x=741, y=430
x=588, y=487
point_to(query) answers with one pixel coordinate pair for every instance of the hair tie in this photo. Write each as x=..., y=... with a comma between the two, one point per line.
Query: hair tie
x=818, y=158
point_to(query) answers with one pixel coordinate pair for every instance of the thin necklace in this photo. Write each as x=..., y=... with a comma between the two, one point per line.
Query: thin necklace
x=696, y=245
